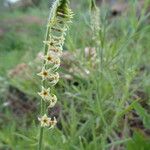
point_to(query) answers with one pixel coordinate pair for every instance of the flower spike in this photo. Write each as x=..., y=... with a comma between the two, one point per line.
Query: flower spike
x=58, y=22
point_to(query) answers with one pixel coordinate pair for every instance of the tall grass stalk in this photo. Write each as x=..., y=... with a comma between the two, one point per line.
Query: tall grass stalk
x=98, y=41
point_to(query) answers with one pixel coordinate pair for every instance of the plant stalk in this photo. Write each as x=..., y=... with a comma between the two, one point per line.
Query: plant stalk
x=43, y=84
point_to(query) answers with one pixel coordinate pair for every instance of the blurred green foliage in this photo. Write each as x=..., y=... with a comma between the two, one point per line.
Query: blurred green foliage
x=139, y=142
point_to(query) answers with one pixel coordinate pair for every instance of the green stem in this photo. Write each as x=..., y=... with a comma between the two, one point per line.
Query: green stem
x=40, y=138
x=41, y=128
x=43, y=84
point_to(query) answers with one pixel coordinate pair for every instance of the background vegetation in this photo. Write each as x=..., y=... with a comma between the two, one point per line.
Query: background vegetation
x=104, y=107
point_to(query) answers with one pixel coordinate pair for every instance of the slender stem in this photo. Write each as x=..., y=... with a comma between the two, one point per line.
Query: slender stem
x=40, y=138
x=43, y=84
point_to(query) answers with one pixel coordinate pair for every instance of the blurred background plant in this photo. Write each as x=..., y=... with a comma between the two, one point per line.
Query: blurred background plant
x=105, y=109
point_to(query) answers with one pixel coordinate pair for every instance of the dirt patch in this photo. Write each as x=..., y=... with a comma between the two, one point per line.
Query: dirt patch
x=23, y=20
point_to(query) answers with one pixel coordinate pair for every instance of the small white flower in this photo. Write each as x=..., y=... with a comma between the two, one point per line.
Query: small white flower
x=56, y=63
x=45, y=121
x=53, y=123
x=54, y=78
x=53, y=100
x=51, y=58
x=45, y=93
x=44, y=73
